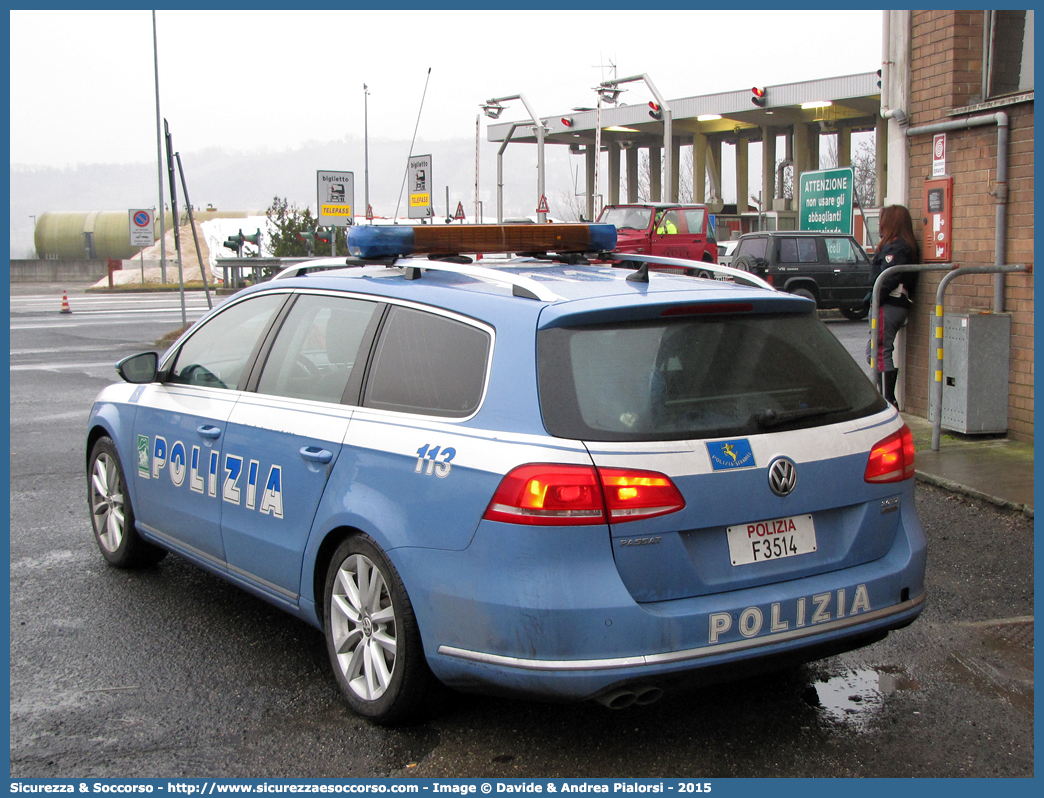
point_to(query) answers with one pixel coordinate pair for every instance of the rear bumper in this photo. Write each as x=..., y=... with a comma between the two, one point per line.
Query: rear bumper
x=884, y=619
x=543, y=612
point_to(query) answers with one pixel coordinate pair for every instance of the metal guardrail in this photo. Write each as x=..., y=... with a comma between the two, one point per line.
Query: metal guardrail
x=955, y=271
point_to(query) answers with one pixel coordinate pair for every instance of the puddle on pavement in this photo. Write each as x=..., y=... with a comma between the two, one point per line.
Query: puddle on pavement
x=855, y=695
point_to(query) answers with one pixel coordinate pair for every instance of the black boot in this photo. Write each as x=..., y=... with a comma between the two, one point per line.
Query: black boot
x=890, y=378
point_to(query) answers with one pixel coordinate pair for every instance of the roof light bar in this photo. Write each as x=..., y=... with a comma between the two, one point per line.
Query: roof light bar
x=382, y=241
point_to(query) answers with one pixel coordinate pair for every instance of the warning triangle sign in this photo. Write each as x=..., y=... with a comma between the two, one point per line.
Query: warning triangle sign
x=460, y=211
x=542, y=206
x=369, y=213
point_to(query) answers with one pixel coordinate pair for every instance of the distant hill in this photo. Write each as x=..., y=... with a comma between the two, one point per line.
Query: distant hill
x=247, y=181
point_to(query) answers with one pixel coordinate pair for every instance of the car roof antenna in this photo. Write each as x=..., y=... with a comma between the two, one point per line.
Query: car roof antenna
x=640, y=276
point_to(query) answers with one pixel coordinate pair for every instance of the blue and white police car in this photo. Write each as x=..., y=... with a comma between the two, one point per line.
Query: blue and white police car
x=553, y=478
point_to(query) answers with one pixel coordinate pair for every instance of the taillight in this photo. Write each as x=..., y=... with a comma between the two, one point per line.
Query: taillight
x=892, y=459
x=547, y=494
x=631, y=494
x=567, y=495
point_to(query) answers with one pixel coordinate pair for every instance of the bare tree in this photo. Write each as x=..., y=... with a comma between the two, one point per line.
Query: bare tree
x=864, y=167
x=571, y=207
x=685, y=190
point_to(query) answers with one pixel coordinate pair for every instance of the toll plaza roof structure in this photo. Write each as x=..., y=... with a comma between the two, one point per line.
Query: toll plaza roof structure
x=855, y=103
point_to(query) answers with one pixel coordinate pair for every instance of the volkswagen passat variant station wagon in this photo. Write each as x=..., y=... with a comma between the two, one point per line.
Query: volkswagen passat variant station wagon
x=566, y=477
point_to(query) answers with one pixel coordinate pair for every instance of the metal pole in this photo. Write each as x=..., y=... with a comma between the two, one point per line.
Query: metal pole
x=593, y=208
x=541, y=216
x=174, y=211
x=395, y=219
x=667, y=128
x=500, y=172
x=539, y=127
x=192, y=224
x=159, y=159
x=1001, y=193
x=366, y=146
x=477, y=118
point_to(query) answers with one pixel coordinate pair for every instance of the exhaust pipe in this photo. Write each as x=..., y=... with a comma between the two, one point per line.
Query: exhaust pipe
x=625, y=697
x=647, y=695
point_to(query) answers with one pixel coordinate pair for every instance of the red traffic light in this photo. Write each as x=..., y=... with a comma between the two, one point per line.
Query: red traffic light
x=758, y=97
x=567, y=121
x=655, y=111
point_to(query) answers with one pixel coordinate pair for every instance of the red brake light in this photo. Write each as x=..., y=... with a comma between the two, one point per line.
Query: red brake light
x=631, y=494
x=892, y=459
x=568, y=495
x=547, y=495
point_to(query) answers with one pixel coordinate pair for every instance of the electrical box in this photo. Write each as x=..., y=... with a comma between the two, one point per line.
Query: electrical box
x=938, y=220
x=976, y=350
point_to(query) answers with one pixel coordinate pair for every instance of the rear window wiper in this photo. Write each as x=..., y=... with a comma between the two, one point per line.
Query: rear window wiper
x=773, y=418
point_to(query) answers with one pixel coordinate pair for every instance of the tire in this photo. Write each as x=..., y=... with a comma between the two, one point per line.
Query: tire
x=373, y=641
x=805, y=293
x=744, y=263
x=706, y=275
x=112, y=516
x=855, y=312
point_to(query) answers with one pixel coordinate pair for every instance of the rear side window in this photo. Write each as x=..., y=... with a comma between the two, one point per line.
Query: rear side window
x=698, y=378
x=798, y=250
x=428, y=364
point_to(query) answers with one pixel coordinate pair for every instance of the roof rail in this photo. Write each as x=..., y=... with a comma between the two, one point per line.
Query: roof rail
x=690, y=266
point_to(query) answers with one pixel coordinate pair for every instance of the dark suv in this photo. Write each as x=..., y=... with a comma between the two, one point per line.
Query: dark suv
x=830, y=268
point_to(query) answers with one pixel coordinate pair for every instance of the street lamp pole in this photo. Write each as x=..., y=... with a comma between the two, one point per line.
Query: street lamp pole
x=493, y=109
x=611, y=85
x=366, y=145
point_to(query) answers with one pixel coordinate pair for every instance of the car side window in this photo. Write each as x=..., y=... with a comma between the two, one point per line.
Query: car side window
x=694, y=219
x=841, y=250
x=797, y=250
x=217, y=353
x=428, y=364
x=668, y=223
x=316, y=348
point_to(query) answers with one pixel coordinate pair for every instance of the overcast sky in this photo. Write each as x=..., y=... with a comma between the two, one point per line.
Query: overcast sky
x=82, y=82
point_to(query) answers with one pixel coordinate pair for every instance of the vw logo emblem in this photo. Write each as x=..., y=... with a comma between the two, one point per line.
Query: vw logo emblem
x=782, y=476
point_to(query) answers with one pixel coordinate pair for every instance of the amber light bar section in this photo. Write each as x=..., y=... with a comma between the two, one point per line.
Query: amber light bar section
x=429, y=239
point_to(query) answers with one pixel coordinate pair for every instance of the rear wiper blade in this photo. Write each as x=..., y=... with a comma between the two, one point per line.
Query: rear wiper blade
x=773, y=418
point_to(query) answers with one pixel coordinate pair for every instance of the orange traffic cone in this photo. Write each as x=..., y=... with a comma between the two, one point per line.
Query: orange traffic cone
x=65, y=303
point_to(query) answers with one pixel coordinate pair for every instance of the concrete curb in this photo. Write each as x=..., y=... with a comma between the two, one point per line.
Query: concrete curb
x=955, y=487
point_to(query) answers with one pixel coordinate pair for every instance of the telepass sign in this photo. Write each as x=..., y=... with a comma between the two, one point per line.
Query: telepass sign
x=826, y=201
x=336, y=198
x=419, y=175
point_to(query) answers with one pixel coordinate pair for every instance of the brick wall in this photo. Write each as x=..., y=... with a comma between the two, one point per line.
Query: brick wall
x=946, y=66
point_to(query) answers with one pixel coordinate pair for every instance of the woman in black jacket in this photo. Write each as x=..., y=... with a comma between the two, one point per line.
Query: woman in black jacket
x=898, y=247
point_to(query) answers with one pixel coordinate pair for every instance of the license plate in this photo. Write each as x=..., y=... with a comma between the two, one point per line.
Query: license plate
x=771, y=540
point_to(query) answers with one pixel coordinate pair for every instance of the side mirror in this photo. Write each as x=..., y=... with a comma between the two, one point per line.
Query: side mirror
x=138, y=369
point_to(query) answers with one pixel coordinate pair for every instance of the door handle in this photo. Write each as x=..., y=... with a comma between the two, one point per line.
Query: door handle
x=316, y=455
x=209, y=431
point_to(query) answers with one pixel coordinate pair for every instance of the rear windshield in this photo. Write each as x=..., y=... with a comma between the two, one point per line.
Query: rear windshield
x=756, y=247
x=705, y=377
